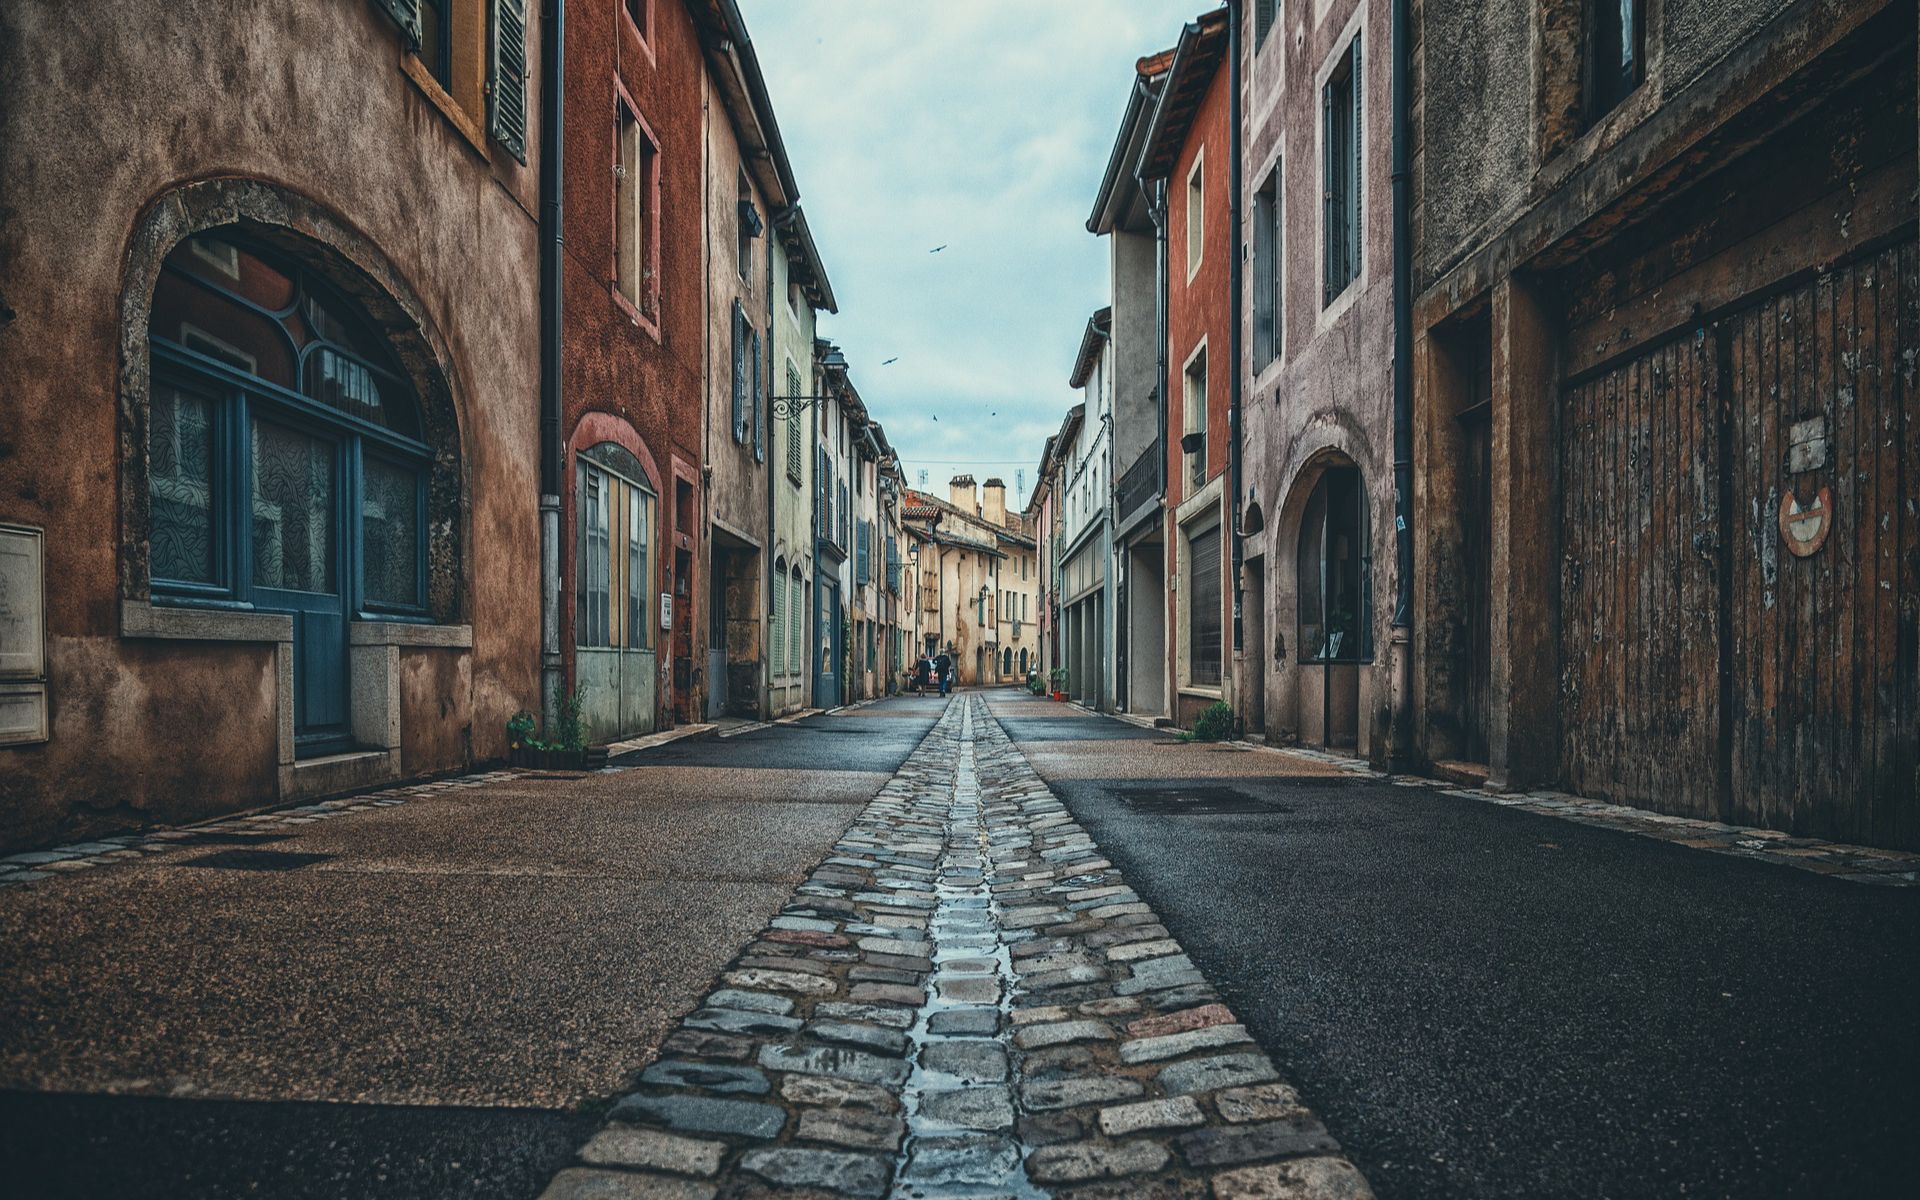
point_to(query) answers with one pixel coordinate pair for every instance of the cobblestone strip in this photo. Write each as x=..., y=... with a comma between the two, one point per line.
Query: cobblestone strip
x=964, y=1000
x=1855, y=864
x=36, y=865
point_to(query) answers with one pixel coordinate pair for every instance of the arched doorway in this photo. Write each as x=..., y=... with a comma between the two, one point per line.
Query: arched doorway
x=289, y=462
x=616, y=664
x=1333, y=606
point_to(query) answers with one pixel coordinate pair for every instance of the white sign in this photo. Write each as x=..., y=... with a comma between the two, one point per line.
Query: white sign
x=666, y=610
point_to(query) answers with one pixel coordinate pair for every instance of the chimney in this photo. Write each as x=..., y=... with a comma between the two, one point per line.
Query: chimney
x=961, y=495
x=993, y=503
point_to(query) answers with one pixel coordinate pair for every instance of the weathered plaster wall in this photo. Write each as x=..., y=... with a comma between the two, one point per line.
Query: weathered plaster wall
x=1328, y=398
x=294, y=94
x=794, y=327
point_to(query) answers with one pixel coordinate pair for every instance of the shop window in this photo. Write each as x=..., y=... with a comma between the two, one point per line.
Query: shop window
x=613, y=593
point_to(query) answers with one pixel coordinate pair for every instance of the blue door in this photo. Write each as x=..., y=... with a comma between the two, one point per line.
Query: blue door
x=826, y=679
x=298, y=568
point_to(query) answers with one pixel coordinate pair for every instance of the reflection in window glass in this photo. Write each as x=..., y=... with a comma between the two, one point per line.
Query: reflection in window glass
x=181, y=473
x=293, y=496
x=390, y=517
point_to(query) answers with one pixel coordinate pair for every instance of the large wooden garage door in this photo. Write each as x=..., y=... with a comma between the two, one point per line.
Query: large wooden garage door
x=1709, y=668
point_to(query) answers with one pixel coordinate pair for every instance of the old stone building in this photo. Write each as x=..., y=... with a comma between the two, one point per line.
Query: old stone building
x=268, y=455
x=1666, y=327
x=979, y=580
x=1317, y=321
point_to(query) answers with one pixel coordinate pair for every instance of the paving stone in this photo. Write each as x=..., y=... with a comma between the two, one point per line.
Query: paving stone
x=1113, y=1006
x=1040, y=1095
x=864, y=1037
x=988, y=1109
x=1176, y=1112
x=867, y=974
x=1262, y=1102
x=851, y=1127
x=1080, y=1161
x=1320, y=1178
x=1249, y=1143
x=1172, y=1045
x=650, y=1149
x=730, y=1020
x=1050, y=1128
x=838, y=1093
x=856, y=1065
x=966, y=989
x=1035, y=1037
x=1180, y=1022
x=972, y=1060
x=978, y=1021
x=784, y=962
x=876, y=1014
x=904, y=962
x=887, y=993
x=712, y=1077
x=1197, y=1075
x=781, y=981
x=701, y=1044
x=945, y=1161
x=702, y=1114
x=808, y=937
x=1029, y=1016
x=586, y=1183
x=833, y=1170
x=1148, y=983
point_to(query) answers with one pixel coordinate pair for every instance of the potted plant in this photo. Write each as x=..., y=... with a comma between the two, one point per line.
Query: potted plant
x=1059, y=678
x=520, y=740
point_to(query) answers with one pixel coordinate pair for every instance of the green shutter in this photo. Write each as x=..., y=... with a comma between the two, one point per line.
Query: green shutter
x=739, y=373
x=507, y=80
x=405, y=14
x=759, y=408
x=1354, y=185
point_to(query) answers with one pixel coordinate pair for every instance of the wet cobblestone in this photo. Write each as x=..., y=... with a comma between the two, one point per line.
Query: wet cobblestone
x=964, y=1000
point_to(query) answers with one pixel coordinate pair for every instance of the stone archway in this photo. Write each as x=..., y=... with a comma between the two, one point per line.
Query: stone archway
x=1320, y=678
x=326, y=245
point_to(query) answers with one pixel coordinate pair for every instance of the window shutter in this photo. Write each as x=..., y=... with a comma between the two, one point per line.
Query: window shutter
x=1263, y=268
x=1353, y=183
x=780, y=624
x=507, y=80
x=1329, y=231
x=739, y=373
x=860, y=554
x=759, y=408
x=405, y=14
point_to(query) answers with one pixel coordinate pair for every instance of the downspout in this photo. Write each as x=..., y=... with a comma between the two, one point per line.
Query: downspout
x=1235, y=271
x=1401, y=752
x=1157, y=209
x=553, y=55
x=773, y=530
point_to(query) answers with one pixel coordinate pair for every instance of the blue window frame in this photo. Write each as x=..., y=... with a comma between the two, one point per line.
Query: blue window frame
x=242, y=341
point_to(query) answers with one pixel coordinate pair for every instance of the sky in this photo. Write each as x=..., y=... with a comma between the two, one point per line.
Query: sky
x=981, y=126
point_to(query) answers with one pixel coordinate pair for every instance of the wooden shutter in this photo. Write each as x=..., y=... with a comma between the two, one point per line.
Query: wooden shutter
x=405, y=14
x=759, y=409
x=860, y=553
x=1329, y=209
x=507, y=77
x=1352, y=221
x=1263, y=269
x=739, y=373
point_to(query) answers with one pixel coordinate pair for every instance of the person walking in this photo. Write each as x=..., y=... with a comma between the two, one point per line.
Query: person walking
x=943, y=665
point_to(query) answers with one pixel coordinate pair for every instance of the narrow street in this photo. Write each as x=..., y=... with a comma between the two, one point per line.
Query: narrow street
x=875, y=951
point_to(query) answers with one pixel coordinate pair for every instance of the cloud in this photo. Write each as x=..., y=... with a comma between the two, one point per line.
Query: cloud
x=984, y=126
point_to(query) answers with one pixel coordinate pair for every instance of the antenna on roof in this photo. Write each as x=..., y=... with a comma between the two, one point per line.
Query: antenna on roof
x=923, y=479
x=1020, y=486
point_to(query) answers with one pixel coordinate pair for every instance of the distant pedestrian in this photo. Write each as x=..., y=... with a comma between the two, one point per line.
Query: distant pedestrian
x=943, y=666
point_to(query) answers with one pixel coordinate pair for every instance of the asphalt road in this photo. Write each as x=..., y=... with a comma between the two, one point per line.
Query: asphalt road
x=434, y=1007
x=1482, y=1002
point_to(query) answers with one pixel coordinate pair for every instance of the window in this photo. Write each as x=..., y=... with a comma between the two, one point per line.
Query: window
x=636, y=216
x=794, y=449
x=1268, y=247
x=1203, y=608
x=1264, y=14
x=1196, y=211
x=1341, y=149
x=640, y=12
x=470, y=58
x=285, y=448
x=1616, y=53
x=613, y=551
x=1336, y=577
x=743, y=366
x=796, y=657
x=781, y=615
x=1194, y=406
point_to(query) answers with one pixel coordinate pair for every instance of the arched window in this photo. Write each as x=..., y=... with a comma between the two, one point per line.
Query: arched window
x=1023, y=663
x=782, y=615
x=1336, y=571
x=287, y=460
x=796, y=623
x=1006, y=661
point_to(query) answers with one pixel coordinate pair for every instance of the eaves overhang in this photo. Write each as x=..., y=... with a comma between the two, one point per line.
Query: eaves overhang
x=1202, y=48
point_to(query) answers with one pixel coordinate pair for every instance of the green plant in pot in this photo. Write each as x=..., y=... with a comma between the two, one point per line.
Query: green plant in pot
x=1059, y=677
x=1214, y=724
x=520, y=739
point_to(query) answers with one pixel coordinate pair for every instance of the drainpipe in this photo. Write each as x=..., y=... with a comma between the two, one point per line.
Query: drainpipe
x=1401, y=752
x=1235, y=270
x=773, y=531
x=553, y=55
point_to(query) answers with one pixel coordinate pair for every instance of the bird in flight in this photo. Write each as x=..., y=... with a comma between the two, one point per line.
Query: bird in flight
x=891, y=361
x=938, y=249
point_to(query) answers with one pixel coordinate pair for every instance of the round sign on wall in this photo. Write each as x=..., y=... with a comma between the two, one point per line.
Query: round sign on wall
x=1805, y=527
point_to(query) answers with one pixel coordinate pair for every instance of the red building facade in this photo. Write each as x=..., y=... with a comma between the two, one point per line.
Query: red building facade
x=635, y=325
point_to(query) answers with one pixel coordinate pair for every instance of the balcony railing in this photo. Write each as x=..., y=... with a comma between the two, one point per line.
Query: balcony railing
x=1140, y=482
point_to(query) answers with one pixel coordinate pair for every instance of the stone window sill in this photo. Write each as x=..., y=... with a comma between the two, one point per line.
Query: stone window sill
x=140, y=619
x=405, y=633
